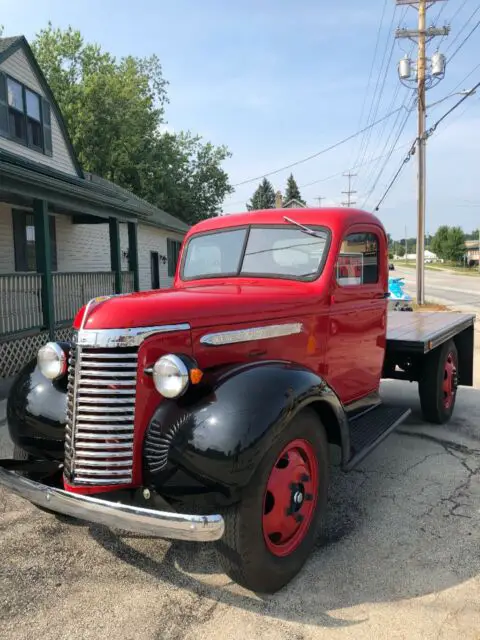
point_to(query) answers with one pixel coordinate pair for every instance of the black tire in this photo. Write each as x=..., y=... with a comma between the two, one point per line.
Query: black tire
x=432, y=395
x=243, y=552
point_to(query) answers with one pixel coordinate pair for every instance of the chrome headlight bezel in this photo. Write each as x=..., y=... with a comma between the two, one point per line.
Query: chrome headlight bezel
x=170, y=376
x=52, y=361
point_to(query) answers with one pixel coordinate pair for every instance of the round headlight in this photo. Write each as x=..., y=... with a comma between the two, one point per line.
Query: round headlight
x=170, y=376
x=52, y=361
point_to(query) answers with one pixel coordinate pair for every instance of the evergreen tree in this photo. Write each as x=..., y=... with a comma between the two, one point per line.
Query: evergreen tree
x=263, y=198
x=293, y=192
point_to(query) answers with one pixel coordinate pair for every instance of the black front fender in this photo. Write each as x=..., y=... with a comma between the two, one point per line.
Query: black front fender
x=37, y=413
x=220, y=438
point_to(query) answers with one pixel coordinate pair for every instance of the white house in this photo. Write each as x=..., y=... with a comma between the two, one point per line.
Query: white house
x=65, y=235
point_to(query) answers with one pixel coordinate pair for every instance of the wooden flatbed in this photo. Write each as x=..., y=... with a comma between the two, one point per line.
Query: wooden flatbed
x=420, y=332
x=414, y=337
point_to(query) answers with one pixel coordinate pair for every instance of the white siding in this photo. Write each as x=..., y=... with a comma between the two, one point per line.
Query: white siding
x=153, y=239
x=86, y=247
x=7, y=256
x=18, y=67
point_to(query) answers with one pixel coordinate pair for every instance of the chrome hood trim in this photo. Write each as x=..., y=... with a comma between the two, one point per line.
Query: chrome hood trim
x=133, y=337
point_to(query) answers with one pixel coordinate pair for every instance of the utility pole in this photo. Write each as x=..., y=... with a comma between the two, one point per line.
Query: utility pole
x=349, y=191
x=320, y=198
x=406, y=243
x=427, y=71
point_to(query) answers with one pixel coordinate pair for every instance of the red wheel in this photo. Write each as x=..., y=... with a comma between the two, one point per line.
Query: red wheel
x=438, y=384
x=290, y=498
x=271, y=532
x=449, y=380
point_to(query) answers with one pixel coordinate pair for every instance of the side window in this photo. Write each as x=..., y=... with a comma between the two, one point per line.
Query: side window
x=358, y=260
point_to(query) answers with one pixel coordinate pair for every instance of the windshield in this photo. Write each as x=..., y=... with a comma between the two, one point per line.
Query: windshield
x=283, y=252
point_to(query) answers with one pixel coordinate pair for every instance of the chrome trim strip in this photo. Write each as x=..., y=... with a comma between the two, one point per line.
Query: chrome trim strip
x=254, y=333
x=161, y=524
x=133, y=337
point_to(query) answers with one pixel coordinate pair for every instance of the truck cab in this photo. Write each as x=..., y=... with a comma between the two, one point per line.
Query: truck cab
x=206, y=412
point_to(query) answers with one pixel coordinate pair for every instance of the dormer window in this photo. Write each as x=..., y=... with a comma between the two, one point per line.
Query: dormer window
x=28, y=119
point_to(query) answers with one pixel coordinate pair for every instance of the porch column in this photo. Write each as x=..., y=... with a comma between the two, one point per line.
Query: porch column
x=115, y=254
x=43, y=253
x=133, y=254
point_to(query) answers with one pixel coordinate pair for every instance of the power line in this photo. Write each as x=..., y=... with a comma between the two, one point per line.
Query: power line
x=464, y=41
x=427, y=135
x=395, y=177
x=451, y=19
x=389, y=155
x=376, y=104
x=319, y=153
x=377, y=41
x=462, y=29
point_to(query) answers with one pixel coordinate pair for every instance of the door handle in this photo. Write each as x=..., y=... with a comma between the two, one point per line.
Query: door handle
x=382, y=296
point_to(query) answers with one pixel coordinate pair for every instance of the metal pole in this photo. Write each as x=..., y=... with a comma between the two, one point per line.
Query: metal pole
x=421, y=154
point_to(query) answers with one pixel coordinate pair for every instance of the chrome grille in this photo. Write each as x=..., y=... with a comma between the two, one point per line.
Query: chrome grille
x=100, y=415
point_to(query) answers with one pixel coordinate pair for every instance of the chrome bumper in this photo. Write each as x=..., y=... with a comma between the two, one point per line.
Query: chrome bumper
x=160, y=524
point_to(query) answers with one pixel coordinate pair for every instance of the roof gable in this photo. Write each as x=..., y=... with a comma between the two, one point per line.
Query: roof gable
x=8, y=46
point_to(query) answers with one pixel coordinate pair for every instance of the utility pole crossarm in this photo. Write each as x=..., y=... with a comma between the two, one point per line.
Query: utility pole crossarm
x=431, y=32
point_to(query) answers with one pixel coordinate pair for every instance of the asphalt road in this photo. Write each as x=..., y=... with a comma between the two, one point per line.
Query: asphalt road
x=399, y=558
x=452, y=289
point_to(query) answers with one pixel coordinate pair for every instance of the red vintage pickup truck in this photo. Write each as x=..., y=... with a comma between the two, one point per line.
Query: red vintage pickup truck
x=205, y=412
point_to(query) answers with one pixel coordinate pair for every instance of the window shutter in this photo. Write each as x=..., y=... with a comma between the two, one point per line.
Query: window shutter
x=171, y=258
x=47, y=128
x=19, y=240
x=53, y=241
x=3, y=105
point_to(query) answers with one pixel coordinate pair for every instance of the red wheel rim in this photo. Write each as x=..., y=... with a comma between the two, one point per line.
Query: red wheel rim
x=449, y=386
x=290, y=498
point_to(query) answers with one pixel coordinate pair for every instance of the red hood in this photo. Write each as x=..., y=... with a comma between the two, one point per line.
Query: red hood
x=202, y=305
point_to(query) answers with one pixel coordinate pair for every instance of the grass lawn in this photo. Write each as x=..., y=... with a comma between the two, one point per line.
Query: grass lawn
x=466, y=271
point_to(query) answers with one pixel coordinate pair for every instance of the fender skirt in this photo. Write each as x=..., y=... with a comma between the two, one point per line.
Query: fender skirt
x=217, y=435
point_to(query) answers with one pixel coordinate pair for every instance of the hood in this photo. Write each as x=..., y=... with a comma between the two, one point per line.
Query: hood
x=202, y=305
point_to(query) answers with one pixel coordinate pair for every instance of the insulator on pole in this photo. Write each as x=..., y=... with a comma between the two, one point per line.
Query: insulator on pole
x=405, y=68
x=438, y=61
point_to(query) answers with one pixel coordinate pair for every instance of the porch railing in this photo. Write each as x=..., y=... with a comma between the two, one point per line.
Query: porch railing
x=20, y=302
x=72, y=290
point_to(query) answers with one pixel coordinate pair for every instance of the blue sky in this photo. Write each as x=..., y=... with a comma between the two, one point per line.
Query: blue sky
x=278, y=80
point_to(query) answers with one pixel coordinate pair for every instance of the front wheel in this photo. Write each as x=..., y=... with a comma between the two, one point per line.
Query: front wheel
x=438, y=384
x=271, y=532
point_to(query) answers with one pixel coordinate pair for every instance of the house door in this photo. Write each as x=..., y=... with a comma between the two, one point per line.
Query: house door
x=154, y=269
x=356, y=337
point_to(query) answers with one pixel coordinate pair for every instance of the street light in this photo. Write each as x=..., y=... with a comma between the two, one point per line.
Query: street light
x=464, y=92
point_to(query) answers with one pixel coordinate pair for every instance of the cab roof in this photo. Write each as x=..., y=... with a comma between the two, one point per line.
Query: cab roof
x=335, y=218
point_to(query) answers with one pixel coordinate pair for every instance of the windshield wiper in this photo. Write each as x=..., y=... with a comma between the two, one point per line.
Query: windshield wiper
x=305, y=229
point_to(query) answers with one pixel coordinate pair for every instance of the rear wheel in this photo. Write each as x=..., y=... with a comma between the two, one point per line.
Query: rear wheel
x=271, y=532
x=438, y=384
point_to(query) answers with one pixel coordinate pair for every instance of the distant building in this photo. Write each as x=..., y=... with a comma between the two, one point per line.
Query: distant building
x=472, y=252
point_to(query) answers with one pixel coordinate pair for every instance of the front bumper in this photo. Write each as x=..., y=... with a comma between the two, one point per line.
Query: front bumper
x=160, y=524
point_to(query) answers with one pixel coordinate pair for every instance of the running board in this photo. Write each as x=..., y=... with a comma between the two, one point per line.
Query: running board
x=369, y=429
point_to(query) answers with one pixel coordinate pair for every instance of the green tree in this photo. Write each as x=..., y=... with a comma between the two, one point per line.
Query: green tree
x=400, y=251
x=293, y=192
x=439, y=242
x=114, y=111
x=455, y=247
x=263, y=198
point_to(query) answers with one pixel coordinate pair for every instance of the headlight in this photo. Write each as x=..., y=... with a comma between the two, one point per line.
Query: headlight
x=52, y=361
x=170, y=376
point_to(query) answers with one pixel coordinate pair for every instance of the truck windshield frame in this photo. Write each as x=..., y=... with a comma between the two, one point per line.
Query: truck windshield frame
x=251, y=240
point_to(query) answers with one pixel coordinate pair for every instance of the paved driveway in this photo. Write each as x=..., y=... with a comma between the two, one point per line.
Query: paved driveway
x=400, y=558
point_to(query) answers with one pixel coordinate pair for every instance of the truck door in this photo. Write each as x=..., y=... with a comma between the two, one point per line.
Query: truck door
x=357, y=324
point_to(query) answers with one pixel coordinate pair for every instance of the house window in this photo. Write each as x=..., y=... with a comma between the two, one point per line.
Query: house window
x=24, y=241
x=173, y=251
x=24, y=116
x=358, y=260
